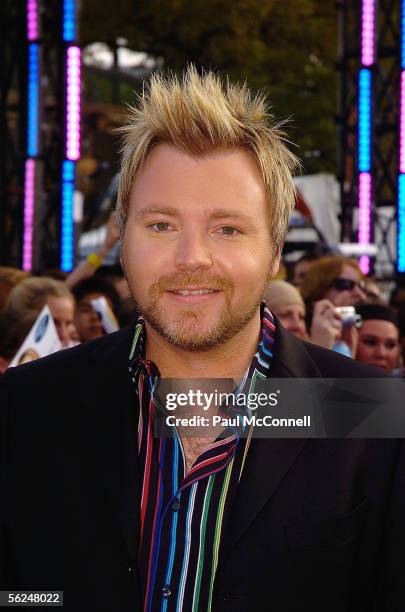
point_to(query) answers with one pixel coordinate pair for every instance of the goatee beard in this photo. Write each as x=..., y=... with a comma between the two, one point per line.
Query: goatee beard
x=183, y=332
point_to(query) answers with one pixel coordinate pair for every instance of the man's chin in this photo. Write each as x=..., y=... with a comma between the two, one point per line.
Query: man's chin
x=195, y=338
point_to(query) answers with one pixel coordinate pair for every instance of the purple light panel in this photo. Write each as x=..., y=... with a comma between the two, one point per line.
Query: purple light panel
x=364, y=216
x=29, y=199
x=367, y=32
x=402, y=126
x=32, y=20
x=73, y=103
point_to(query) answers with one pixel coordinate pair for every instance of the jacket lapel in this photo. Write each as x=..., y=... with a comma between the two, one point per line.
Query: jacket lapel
x=268, y=460
x=110, y=434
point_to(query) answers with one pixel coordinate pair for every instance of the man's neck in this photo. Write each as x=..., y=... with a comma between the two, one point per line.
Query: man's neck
x=229, y=360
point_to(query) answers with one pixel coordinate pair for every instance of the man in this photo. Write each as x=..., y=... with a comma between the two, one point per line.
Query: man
x=122, y=520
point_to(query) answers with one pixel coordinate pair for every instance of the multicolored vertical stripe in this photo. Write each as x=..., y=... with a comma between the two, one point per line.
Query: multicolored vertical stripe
x=184, y=516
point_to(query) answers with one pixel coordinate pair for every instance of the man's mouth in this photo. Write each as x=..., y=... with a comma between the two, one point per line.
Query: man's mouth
x=193, y=295
x=193, y=291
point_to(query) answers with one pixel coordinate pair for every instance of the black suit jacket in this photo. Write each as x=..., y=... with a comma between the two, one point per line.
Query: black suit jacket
x=316, y=524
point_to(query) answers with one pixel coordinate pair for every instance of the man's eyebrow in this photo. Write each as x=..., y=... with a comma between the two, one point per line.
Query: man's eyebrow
x=152, y=209
x=223, y=213
x=219, y=213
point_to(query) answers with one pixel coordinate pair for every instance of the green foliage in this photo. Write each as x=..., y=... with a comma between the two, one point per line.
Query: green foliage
x=286, y=47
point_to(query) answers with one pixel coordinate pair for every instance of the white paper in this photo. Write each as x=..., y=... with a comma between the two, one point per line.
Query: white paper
x=42, y=340
x=108, y=320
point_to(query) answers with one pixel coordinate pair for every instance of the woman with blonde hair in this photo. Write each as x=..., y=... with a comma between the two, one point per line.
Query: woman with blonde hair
x=30, y=296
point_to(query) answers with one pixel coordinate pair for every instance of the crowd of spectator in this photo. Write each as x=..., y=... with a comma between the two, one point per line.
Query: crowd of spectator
x=329, y=302
x=324, y=300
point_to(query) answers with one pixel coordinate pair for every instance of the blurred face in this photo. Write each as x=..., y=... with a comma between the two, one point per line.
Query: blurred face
x=196, y=248
x=87, y=321
x=62, y=311
x=372, y=290
x=293, y=318
x=300, y=271
x=378, y=344
x=346, y=293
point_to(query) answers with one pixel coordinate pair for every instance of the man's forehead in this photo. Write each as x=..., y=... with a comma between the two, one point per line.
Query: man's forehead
x=167, y=170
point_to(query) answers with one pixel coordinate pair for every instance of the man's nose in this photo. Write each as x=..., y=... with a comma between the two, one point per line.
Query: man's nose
x=193, y=251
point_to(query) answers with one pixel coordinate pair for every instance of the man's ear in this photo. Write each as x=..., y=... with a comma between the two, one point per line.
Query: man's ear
x=274, y=266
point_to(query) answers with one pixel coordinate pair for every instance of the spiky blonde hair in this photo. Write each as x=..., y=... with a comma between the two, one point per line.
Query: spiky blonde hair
x=202, y=114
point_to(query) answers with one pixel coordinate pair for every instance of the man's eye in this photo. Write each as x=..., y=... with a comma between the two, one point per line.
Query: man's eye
x=228, y=230
x=160, y=227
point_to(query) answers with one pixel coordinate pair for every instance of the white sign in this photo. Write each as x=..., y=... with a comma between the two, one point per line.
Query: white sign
x=42, y=340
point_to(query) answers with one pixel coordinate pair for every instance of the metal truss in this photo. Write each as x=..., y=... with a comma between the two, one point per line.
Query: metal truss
x=385, y=137
x=13, y=124
x=12, y=128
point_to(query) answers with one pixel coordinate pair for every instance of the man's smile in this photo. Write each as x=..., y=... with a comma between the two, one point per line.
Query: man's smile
x=193, y=295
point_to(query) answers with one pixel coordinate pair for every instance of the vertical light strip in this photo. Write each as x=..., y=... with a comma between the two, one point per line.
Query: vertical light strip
x=364, y=215
x=367, y=32
x=402, y=125
x=32, y=138
x=67, y=233
x=401, y=176
x=33, y=100
x=365, y=188
x=32, y=20
x=403, y=35
x=364, y=120
x=73, y=103
x=72, y=130
x=69, y=20
x=29, y=200
x=401, y=223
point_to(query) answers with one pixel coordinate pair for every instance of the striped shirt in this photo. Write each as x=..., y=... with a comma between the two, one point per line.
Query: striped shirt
x=183, y=517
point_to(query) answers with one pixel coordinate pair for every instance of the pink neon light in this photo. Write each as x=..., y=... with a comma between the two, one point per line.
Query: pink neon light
x=364, y=216
x=73, y=103
x=402, y=126
x=32, y=20
x=364, y=263
x=367, y=33
x=29, y=200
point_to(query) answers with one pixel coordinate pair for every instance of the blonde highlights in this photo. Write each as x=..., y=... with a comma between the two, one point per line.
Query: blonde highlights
x=202, y=114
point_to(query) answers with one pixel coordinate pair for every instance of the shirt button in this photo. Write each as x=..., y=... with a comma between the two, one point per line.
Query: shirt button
x=166, y=592
x=176, y=506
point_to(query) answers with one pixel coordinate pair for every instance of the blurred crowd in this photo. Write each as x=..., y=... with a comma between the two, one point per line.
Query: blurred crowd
x=329, y=302
x=325, y=300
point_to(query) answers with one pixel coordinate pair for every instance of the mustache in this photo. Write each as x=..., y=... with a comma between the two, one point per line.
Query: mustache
x=182, y=281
